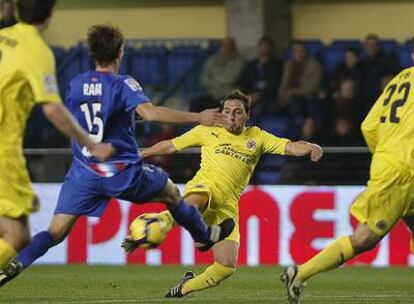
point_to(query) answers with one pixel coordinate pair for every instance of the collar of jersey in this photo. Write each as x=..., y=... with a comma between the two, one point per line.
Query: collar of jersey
x=28, y=27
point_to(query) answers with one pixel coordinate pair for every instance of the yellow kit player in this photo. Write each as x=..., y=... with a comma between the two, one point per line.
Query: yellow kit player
x=389, y=132
x=228, y=158
x=27, y=78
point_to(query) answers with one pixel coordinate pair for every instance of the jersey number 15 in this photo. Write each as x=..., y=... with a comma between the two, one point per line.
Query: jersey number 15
x=93, y=120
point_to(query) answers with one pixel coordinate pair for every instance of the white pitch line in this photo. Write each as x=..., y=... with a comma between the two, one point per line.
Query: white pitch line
x=309, y=298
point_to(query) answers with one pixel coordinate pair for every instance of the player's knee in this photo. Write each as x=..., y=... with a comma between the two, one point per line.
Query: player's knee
x=22, y=241
x=172, y=196
x=363, y=242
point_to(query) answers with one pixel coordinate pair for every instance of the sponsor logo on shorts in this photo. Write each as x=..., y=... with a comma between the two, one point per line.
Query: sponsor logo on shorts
x=251, y=144
x=382, y=225
x=199, y=186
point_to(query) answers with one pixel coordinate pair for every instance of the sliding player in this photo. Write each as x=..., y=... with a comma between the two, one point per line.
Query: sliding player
x=104, y=103
x=27, y=78
x=389, y=132
x=228, y=158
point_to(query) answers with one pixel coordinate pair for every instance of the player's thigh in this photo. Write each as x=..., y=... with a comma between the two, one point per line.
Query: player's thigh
x=15, y=231
x=16, y=193
x=226, y=253
x=197, y=199
x=385, y=200
x=61, y=225
x=170, y=195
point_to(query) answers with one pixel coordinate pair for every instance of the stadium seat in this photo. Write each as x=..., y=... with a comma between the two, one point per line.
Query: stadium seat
x=390, y=46
x=148, y=66
x=125, y=67
x=275, y=125
x=75, y=62
x=59, y=53
x=342, y=44
x=404, y=57
x=333, y=56
x=184, y=66
x=266, y=177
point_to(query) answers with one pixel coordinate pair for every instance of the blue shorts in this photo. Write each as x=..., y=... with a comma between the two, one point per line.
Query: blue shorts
x=85, y=193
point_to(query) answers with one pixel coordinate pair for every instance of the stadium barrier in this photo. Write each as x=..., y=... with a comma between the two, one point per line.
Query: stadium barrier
x=278, y=225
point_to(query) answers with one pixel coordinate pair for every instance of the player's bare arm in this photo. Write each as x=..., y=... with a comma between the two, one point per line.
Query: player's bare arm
x=302, y=148
x=209, y=117
x=63, y=120
x=164, y=147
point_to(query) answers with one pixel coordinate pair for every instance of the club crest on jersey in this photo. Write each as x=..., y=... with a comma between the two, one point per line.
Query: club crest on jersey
x=92, y=89
x=133, y=84
x=251, y=144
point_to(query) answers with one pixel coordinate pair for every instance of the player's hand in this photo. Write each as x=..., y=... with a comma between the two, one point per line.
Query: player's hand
x=102, y=151
x=213, y=117
x=315, y=152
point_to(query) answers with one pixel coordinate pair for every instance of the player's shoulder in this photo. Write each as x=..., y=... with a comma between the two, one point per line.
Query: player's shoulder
x=253, y=131
x=128, y=81
x=405, y=75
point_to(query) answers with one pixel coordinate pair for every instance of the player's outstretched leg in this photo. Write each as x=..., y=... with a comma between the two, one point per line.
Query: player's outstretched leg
x=225, y=258
x=333, y=256
x=190, y=218
x=59, y=228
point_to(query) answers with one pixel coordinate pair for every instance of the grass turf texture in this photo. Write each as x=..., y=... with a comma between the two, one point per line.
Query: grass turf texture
x=146, y=284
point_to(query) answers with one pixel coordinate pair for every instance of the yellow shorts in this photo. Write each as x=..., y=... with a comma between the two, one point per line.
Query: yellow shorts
x=220, y=205
x=388, y=197
x=16, y=192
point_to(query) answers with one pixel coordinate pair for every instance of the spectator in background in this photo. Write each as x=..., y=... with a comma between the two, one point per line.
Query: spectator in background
x=349, y=69
x=378, y=67
x=301, y=81
x=260, y=78
x=7, y=14
x=346, y=111
x=219, y=76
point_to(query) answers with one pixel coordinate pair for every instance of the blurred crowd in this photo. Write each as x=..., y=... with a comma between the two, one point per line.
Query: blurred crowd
x=317, y=107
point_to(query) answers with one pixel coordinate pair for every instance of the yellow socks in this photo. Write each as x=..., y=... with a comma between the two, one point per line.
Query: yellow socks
x=334, y=255
x=167, y=218
x=6, y=252
x=211, y=277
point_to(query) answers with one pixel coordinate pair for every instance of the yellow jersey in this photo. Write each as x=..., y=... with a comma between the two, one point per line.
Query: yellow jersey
x=229, y=159
x=27, y=77
x=389, y=126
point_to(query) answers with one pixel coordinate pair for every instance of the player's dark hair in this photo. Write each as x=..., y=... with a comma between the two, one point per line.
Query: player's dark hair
x=104, y=43
x=35, y=11
x=238, y=95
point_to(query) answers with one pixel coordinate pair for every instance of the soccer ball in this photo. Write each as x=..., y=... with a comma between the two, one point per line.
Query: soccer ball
x=148, y=230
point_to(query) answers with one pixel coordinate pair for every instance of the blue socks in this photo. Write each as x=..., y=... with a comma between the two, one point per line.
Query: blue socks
x=39, y=245
x=190, y=218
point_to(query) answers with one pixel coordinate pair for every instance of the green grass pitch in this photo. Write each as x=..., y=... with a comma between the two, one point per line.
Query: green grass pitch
x=146, y=284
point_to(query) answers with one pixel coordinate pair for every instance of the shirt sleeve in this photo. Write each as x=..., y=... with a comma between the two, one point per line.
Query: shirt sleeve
x=273, y=144
x=41, y=75
x=192, y=138
x=132, y=94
